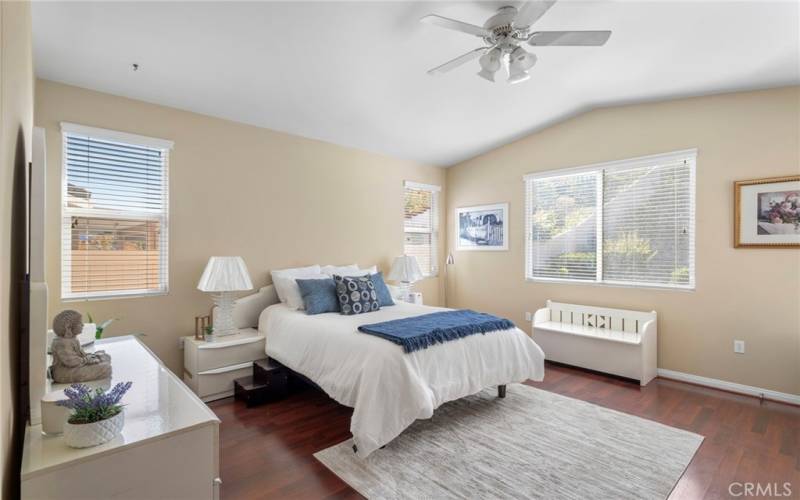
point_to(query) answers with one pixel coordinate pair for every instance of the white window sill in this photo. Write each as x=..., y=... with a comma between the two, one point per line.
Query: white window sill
x=116, y=296
x=559, y=281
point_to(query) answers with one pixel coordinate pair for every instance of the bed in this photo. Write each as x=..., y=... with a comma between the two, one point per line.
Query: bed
x=387, y=388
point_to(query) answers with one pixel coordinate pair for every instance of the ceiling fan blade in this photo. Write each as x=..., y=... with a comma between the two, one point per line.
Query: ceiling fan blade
x=531, y=11
x=452, y=24
x=568, y=38
x=458, y=61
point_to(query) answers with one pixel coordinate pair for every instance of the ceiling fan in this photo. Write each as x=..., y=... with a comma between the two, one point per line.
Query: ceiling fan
x=503, y=34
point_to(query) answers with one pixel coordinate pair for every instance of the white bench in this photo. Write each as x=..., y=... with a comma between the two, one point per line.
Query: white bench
x=615, y=341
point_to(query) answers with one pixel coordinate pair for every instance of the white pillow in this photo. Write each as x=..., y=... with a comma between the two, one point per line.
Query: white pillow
x=284, y=281
x=294, y=298
x=340, y=270
x=362, y=272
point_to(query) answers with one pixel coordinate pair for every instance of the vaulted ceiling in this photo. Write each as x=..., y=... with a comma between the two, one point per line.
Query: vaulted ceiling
x=354, y=73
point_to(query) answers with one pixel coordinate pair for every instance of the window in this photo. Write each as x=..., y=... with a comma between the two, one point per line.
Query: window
x=114, y=214
x=629, y=222
x=421, y=225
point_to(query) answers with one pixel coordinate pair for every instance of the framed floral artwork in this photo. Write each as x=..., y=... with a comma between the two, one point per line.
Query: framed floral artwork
x=767, y=213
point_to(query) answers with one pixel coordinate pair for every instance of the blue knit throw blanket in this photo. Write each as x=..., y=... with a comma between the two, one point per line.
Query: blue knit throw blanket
x=421, y=332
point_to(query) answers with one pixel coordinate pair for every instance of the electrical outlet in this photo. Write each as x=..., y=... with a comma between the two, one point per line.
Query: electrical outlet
x=528, y=316
x=738, y=346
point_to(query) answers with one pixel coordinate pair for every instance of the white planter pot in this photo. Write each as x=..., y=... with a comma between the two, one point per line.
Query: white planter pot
x=86, y=435
x=88, y=333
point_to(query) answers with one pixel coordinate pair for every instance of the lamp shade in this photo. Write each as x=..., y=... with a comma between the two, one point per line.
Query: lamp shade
x=225, y=274
x=490, y=63
x=520, y=62
x=405, y=269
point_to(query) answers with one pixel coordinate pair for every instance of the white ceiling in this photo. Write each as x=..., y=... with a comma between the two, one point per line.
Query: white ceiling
x=354, y=73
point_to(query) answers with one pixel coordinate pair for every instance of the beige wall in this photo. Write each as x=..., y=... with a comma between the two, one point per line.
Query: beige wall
x=16, y=121
x=275, y=199
x=748, y=294
x=226, y=177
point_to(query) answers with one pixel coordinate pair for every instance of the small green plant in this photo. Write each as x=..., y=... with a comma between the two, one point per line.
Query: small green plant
x=208, y=330
x=102, y=326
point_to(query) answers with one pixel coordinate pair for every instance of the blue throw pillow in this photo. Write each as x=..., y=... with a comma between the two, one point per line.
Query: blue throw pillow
x=384, y=295
x=356, y=294
x=319, y=295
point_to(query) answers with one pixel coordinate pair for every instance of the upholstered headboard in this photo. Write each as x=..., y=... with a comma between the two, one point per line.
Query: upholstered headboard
x=248, y=308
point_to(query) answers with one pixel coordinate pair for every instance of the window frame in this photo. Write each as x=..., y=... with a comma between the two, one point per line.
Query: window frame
x=689, y=155
x=435, y=231
x=67, y=129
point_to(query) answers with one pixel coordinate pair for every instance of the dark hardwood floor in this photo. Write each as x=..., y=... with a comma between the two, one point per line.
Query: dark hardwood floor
x=267, y=451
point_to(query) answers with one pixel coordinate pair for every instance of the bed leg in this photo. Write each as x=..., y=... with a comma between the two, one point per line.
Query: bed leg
x=355, y=448
x=501, y=391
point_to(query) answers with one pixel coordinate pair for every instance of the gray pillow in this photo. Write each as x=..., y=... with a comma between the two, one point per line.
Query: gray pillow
x=356, y=294
x=319, y=295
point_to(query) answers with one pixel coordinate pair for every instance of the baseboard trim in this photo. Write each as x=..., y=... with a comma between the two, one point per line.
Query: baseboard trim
x=749, y=390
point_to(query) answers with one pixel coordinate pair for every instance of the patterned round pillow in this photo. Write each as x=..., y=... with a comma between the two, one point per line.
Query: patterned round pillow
x=356, y=294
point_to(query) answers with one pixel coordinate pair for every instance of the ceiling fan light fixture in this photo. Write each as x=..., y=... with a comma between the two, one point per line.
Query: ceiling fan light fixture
x=490, y=63
x=518, y=77
x=487, y=75
x=519, y=62
x=522, y=59
x=502, y=34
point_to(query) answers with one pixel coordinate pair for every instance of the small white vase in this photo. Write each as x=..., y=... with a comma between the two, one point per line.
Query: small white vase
x=87, y=435
x=87, y=335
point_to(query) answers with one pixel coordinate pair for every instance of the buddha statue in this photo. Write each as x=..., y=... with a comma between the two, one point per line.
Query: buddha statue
x=71, y=363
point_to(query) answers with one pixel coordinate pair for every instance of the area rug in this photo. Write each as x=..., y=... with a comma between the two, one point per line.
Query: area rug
x=532, y=444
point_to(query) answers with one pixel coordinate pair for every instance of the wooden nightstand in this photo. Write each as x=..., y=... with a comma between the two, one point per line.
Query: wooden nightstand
x=209, y=368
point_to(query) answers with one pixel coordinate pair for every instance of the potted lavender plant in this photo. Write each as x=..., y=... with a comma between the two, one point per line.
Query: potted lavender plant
x=97, y=415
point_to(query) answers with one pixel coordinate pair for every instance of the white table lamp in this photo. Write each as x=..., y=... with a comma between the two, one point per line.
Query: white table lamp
x=405, y=270
x=222, y=277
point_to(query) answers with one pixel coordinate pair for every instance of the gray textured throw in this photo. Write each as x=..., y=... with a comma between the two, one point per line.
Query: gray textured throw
x=532, y=444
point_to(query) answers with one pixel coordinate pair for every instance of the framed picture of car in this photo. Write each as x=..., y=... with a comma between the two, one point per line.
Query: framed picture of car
x=483, y=227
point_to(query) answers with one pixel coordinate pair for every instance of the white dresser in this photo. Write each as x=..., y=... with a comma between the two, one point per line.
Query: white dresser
x=169, y=447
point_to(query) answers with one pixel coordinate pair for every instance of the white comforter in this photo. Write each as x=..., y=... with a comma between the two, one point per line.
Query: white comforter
x=387, y=388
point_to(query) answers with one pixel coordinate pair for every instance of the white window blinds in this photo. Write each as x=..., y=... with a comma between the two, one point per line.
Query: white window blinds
x=564, y=225
x=421, y=225
x=114, y=214
x=629, y=222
